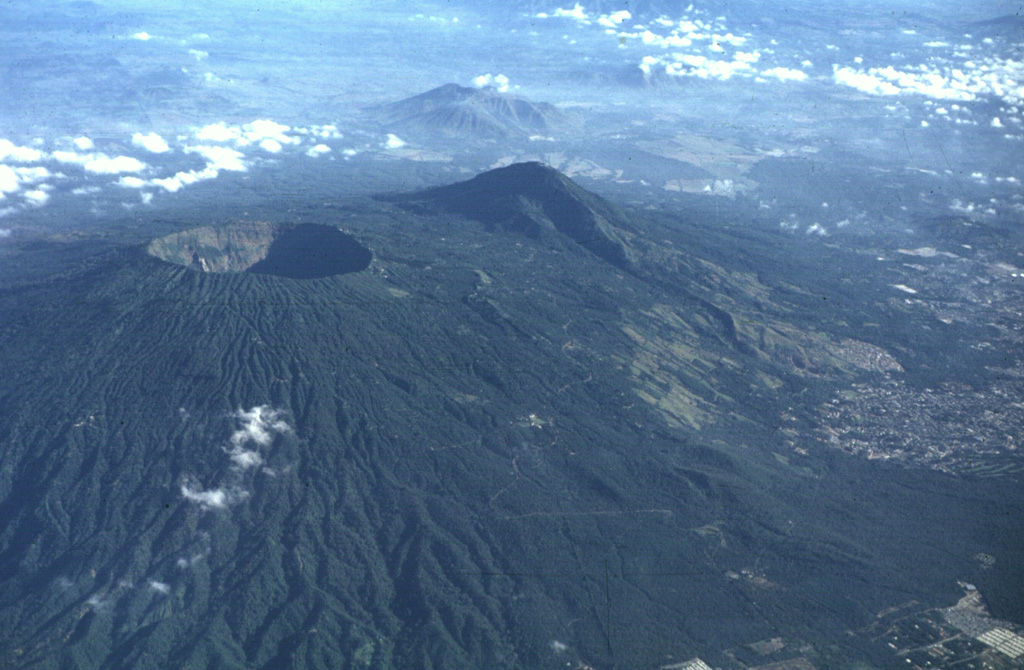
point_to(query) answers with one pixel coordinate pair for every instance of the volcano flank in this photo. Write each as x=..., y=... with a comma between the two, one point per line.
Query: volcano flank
x=495, y=415
x=535, y=200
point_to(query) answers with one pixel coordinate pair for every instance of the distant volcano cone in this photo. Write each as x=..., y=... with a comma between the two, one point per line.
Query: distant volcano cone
x=481, y=112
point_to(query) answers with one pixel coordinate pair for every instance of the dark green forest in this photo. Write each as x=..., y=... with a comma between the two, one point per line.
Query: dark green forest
x=521, y=432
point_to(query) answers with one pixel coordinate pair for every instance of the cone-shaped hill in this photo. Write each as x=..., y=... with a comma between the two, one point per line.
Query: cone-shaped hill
x=486, y=450
x=471, y=112
x=535, y=200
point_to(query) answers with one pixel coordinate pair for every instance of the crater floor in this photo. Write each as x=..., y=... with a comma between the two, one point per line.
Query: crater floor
x=300, y=251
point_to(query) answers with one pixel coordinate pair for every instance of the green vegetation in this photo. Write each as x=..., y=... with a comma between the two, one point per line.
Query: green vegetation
x=471, y=474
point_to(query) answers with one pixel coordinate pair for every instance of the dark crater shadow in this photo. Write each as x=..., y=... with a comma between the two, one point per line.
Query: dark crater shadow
x=311, y=251
x=300, y=251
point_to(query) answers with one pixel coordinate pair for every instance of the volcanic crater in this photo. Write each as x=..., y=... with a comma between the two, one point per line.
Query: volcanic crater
x=295, y=251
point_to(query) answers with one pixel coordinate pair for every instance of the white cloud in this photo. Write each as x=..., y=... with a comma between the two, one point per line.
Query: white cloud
x=258, y=425
x=32, y=175
x=5, y=232
x=13, y=178
x=10, y=151
x=132, y=182
x=687, y=26
x=785, y=74
x=218, y=498
x=256, y=132
x=967, y=208
x=724, y=187
x=394, y=142
x=37, y=197
x=719, y=69
x=996, y=123
x=816, y=229
x=271, y=146
x=102, y=164
x=96, y=601
x=182, y=179
x=142, y=36
x=729, y=38
x=219, y=132
x=159, y=587
x=170, y=184
x=329, y=131
x=246, y=459
x=675, y=41
x=647, y=62
x=72, y=157
x=577, y=13
x=499, y=81
x=318, y=150
x=150, y=142
x=995, y=77
x=198, y=54
x=615, y=18
x=83, y=143
x=868, y=83
x=265, y=129
x=220, y=158
x=185, y=563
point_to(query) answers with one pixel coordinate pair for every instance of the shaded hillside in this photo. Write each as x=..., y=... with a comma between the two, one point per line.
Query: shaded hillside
x=534, y=200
